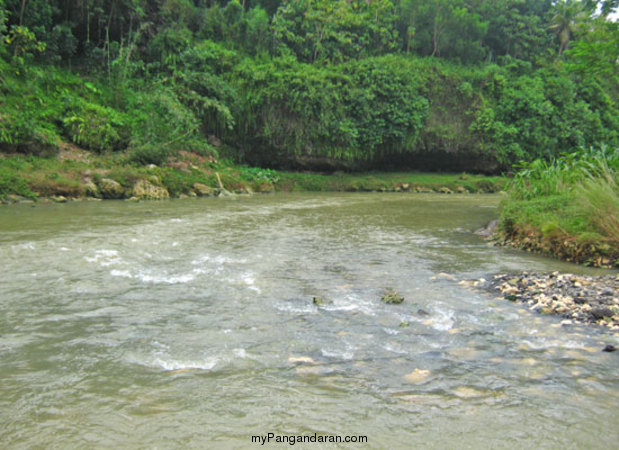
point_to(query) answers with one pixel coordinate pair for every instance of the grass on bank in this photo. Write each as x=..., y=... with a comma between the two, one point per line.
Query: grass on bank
x=70, y=173
x=568, y=207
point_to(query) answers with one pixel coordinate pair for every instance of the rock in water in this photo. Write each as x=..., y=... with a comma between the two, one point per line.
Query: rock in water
x=417, y=376
x=392, y=297
x=320, y=301
x=609, y=348
x=488, y=230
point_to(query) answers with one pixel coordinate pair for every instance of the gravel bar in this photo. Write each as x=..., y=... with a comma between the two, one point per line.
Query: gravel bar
x=577, y=298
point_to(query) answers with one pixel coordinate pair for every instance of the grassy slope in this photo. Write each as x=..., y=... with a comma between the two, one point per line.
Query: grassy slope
x=568, y=209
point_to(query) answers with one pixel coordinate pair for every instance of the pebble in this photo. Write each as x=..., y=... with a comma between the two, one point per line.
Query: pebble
x=417, y=376
x=576, y=298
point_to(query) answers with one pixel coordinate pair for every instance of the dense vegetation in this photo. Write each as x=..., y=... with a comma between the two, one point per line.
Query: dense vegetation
x=568, y=207
x=339, y=84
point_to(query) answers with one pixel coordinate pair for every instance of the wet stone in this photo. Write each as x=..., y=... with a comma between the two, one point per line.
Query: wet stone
x=562, y=294
x=391, y=297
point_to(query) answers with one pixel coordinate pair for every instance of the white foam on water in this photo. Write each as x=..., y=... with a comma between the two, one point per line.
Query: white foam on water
x=443, y=321
x=175, y=364
x=352, y=303
x=105, y=258
x=24, y=246
x=219, y=260
x=296, y=308
x=249, y=280
x=395, y=349
x=154, y=278
x=337, y=354
x=121, y=273
x=164, y=278
x=239, y=353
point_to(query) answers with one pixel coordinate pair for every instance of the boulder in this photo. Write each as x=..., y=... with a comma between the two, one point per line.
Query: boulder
x=488, y=230
x=91, y=189
x=144, y=189
x=202, y=190
x=111, y=189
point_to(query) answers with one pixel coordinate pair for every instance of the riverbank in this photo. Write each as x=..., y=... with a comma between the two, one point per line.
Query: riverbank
x=577, y=298
x=567, y=208
x=78, y=174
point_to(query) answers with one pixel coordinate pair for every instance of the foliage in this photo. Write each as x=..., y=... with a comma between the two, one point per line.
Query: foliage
x=597, y=53
x=568, y=207
x=545, y=178
x=96, y=127
x=335, y=31
x=313, y=84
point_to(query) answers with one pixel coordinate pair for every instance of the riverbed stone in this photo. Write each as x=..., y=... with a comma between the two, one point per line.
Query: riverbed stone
x=489, y=230
x=557, y=293
x=417, y=376
x=111, y=189
x=91, y=189
x=144, y=189
x=391, y=297
x=202, y=190
x=321, y=301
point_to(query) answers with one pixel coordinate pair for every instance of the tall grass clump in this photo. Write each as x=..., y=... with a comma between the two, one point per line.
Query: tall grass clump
x=568, y=207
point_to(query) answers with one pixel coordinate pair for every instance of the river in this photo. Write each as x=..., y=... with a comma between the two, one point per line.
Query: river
x=190, y=324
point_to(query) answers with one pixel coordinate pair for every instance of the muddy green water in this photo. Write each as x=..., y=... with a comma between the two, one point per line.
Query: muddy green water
x=190, y=324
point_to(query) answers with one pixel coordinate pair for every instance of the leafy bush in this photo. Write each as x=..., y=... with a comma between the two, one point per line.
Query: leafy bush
x=97, y=127
x=149, y=154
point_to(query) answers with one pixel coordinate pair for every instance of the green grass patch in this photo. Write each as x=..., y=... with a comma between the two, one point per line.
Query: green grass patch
x=568, y=208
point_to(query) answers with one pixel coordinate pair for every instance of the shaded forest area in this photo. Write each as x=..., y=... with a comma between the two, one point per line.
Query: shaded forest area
x=452, y=85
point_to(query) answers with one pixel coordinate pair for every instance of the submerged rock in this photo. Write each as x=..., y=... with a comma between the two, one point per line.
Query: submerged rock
x=391, y=297
x=417, y=376
x=321, y=301
x=301, y=360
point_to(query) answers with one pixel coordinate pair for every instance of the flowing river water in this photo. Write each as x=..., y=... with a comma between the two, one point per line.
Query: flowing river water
x=190, y=324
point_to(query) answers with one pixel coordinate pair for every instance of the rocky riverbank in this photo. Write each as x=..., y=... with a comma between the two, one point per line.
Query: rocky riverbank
x=577, y=298
x=78, y=174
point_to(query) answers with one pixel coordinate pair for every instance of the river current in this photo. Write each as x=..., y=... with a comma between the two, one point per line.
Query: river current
x=190, y=324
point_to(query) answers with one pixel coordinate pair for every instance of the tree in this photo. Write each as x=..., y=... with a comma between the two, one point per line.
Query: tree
x=447, y=28
x=335, y=31
x=568, y=15
x=597, y=51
